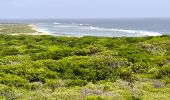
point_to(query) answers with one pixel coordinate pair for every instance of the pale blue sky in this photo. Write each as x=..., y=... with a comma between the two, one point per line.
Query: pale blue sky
x=84, y=8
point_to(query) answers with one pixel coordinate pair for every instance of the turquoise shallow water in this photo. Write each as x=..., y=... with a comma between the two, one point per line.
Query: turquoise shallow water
x=102, y=27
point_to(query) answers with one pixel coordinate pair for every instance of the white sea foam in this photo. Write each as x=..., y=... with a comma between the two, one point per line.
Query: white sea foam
x=56, y=23
x=132, y=32
x=75, y=24
x=43, y=30
x=140, y=32
x=93, y=28
x=72, y=24
x=83, y=24
x=65, y=26
x=85, y=29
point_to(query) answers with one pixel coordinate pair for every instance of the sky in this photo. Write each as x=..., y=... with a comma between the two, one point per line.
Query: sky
x=84, y=8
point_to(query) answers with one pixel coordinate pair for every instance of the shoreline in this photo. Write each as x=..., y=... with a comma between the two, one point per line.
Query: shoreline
x=145, y=33
x=38, y=32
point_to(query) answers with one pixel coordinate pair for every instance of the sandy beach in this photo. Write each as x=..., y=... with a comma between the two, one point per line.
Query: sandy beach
x=38, y=32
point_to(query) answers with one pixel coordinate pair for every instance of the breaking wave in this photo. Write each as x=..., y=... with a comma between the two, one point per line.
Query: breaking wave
x=86, y=29
x=56, y=23
x=141, y=32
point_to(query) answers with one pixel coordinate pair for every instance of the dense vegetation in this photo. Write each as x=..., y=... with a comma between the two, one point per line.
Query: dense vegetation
x=90, y=68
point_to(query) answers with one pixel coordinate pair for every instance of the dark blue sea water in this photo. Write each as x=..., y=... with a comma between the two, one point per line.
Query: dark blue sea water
x=101, y=27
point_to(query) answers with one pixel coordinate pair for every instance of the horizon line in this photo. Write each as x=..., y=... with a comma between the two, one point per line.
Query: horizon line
x=85, y=18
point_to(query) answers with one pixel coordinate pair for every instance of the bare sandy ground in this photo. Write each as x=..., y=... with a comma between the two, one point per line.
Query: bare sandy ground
x=38, y=32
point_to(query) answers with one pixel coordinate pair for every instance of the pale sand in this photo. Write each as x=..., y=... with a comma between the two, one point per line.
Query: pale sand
x=38, y=32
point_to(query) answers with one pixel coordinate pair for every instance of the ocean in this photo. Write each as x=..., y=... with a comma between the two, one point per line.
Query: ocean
x=100, y=27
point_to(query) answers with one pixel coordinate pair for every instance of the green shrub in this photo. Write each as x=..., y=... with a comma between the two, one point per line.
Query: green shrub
x=10, y=51
x=13, y=80
x=36, y=85
x=93, y=97
x=76, y=83
x=62, y=67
